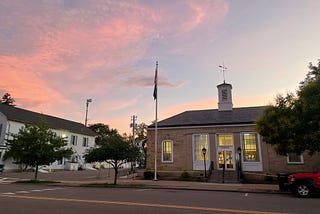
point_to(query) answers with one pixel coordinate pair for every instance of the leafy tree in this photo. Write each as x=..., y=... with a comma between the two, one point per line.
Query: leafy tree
x=113, y=149
x=35, y=146
x=293, y=123
x=7, y=100
x=103, y=132
x=141, y=141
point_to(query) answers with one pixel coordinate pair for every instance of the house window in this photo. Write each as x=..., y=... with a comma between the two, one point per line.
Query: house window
x=85, y=142
x=74, y=139
x=167, y=151
x=293, y=158
x=250, y=147
x=225, y=140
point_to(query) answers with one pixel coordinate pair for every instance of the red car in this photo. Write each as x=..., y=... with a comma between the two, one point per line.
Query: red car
x=304, y=184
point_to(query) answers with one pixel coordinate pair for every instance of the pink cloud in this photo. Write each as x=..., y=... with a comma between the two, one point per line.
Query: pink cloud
x=57, y=53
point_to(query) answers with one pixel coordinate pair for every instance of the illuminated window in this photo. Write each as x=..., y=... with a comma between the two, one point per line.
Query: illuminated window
x=294, y=158
x=250, y=147
x=200, y=141
x=167, y=151
x=225, y=140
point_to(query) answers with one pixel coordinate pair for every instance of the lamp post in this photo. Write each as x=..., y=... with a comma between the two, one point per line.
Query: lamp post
x=204, y=151
x=239, y=163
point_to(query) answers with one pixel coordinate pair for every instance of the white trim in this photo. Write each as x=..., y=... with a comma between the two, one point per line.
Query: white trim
x=208, y=126
x=224, y=149
x=254, y=166
x=301, y=160
x=200, y=162
x=163, y=161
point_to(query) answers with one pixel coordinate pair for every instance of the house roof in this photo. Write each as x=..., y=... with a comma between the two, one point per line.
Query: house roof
x=245, y=115
x=29, y=117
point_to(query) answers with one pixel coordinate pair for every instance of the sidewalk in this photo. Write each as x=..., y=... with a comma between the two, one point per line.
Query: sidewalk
x=88, y=177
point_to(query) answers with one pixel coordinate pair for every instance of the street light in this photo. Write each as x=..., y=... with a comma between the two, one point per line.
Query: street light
x=239, y=163
x=204, y=151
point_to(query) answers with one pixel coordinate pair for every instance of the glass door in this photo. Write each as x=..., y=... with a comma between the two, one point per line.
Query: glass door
x=226, y=159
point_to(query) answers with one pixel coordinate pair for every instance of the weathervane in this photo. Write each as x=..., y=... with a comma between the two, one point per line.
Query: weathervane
x=223, y=69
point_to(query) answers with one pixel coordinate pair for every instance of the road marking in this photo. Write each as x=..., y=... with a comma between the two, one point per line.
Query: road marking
x=140, y=204
x=23, y=192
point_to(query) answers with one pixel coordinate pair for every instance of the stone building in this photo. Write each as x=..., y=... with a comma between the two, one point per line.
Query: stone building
x=223, y=140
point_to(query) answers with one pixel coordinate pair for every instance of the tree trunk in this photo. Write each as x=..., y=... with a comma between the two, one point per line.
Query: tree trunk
x=36, y=173
x=115, y=175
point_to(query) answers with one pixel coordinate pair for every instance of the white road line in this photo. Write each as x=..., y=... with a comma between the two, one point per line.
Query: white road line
x=9, y=193
x=23, y=192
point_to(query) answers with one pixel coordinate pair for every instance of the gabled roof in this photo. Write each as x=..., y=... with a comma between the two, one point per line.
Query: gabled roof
x=211, y=117
x=29, y=117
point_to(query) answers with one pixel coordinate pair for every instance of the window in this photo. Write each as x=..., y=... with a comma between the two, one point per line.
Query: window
x=74, y=139
x=85, y=142
x=200, y=141
x=293, y=158
x=167, y=151
x=224, y=93
x=225, y=140
x=250, y=147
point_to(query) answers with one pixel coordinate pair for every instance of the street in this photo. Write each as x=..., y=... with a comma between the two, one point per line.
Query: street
x=24, y=198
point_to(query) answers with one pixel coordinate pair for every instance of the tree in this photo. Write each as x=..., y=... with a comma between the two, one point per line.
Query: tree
x=36, y=145
x=113, y=149
x=293, y=123
x=142, y=139
x=7, y=100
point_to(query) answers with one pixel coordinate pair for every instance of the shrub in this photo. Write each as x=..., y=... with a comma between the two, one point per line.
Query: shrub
x=148, y=175
x=185, y=175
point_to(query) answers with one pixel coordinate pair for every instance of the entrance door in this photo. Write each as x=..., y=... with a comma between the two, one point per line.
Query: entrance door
x=225, y=151
x=200, y=141
x=226, y=159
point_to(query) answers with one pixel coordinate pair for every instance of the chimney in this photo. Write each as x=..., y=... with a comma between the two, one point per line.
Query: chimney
x=225, y=97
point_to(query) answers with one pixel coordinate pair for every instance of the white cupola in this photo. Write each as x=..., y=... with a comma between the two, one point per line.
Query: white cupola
x=225, y=97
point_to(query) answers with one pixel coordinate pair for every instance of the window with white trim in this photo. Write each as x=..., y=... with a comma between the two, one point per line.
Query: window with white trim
x=250, y=147
x=74, y=140
x=167, y=151
x=293, y=158
x=85, y=142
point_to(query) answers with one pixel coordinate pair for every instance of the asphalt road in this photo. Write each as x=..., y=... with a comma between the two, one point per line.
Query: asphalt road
x=24, y=198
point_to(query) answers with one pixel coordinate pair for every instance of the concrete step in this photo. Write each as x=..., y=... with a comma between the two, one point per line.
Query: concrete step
x=228, y=177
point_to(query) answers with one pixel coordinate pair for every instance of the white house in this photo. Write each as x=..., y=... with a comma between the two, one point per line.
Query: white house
x=80, y=138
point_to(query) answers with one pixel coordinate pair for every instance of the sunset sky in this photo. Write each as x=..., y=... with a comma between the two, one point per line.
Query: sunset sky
x=56, y=54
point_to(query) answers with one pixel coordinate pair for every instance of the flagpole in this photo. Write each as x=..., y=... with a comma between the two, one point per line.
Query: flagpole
x=156, y=123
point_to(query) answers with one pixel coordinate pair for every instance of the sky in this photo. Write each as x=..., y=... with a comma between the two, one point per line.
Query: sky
x=56, y=54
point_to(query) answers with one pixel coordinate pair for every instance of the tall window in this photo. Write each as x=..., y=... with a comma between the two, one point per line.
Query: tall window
x=200, y=141
x=294, y=158
x=250, y=147
x=74, y=140
x=167, y=151
x=85, y=142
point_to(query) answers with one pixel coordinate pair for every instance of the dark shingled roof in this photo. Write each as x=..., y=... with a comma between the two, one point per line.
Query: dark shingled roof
x=246, y=115
x=29, y=117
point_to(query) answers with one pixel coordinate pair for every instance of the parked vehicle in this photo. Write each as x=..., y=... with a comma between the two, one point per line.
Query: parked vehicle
x=304, y=184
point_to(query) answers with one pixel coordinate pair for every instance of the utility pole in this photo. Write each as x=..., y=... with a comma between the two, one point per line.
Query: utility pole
x=133, y=126
x=87, y=106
